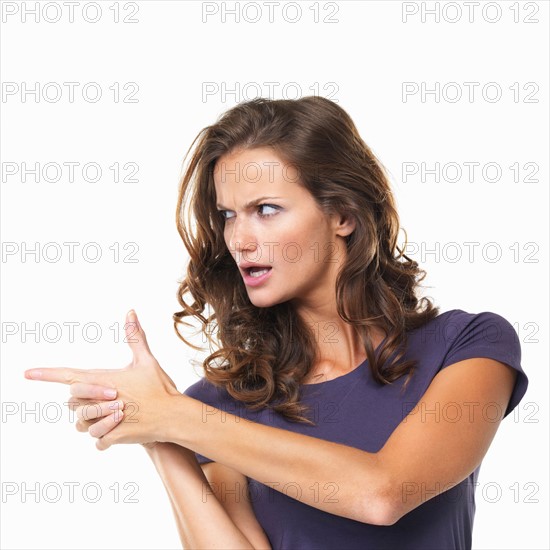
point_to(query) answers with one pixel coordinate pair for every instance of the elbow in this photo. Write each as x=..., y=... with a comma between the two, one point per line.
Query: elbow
x=382, y=512
x=382, y=506
x=389, y=513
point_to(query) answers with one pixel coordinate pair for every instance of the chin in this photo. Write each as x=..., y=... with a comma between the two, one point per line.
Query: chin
x=264, y=301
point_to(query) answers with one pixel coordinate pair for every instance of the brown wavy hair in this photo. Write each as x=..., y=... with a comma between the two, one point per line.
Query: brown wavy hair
x=267, y=352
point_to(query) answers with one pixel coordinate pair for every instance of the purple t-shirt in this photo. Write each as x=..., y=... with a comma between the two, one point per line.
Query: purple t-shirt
x=355, y=410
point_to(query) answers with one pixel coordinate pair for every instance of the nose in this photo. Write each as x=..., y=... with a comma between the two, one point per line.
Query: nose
x=242, y=242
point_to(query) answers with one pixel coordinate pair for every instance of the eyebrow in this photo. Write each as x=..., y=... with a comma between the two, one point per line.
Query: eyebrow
x=251, y=203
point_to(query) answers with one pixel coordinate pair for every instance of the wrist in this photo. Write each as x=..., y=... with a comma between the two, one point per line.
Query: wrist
x=164, y=416
x=181, y=420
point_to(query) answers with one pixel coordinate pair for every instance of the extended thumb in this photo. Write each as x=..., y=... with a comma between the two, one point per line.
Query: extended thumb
x=135, y=336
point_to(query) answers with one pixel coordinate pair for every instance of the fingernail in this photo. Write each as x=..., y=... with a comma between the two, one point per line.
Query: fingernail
x=132, y=316
x=33, y=374
x=110, y=393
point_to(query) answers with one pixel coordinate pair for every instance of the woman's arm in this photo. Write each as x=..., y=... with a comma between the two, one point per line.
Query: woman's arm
x=202, y=517
x=223, y=484
x=426, y=455
x=231, y=489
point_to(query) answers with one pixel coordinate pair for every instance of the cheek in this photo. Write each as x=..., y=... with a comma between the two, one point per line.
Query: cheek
x=299, y=248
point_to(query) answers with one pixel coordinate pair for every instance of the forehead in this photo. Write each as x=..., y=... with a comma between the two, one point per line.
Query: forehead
x=259, y=168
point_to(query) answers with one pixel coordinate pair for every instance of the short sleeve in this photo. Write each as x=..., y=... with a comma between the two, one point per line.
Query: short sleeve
x=202, y=392
x=485, y=334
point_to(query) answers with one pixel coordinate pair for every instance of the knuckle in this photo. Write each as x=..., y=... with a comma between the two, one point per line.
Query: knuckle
x=83, y=412
x=72, y=403
x=92, y=410
x=68, y=377
x=74, y=389
x=92, y=392
x=81, y=426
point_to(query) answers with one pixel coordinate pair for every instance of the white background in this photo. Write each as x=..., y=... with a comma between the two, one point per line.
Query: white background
x=361, y=59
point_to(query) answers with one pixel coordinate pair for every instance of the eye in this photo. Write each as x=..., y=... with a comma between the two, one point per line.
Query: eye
x=272, y=206
x=222, y=214
x=259, y=207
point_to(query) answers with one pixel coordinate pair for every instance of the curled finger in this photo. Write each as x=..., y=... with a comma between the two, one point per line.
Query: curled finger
x=91, y=411
x=84, y=425
x=105, y=425
x=92, y=391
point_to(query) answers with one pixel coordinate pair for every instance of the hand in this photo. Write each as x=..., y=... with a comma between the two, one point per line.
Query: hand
x=143, y=386
x=97, y=417
x=86, y=399
x=93, y=416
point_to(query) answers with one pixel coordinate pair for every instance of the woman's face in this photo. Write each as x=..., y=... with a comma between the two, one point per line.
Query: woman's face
x=272, y=221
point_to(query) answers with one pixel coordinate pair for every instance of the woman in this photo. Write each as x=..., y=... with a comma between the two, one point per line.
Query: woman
x=340, y=411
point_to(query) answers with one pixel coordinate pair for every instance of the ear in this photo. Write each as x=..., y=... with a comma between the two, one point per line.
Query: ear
x=343, y=225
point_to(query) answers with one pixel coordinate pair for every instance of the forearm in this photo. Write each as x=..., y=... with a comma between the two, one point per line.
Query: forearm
x=154, y=455
x=335, y=478
x=201, y=519
x=181, y=532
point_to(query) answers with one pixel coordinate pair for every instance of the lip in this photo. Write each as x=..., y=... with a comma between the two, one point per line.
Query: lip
x=255, y=281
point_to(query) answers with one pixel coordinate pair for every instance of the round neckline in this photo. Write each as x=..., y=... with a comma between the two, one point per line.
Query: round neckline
x=357, y=371
x=343, y=378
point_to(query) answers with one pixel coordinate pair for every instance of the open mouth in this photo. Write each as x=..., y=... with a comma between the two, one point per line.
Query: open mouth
x=257, y=271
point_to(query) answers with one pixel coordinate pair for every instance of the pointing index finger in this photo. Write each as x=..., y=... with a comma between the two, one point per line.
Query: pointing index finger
x=60, y=374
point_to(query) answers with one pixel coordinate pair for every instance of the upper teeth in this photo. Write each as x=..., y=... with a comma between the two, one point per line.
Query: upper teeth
x=257, y=271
